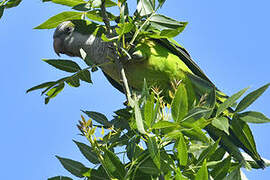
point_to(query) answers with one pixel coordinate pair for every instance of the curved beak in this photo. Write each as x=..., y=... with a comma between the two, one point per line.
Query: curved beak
x=57, y=45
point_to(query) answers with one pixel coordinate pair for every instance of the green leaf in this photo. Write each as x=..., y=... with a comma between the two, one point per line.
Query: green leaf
x=221, y=169
x=124, y=28
x=1, y=11
x=202, y=174
x=108, y=3
x=73, y=81
x=113, y=165
x=59, y=18
x=230, y=101
x=70, y=3
x=234, y=175
x=244, y=134
x=134, y=103
x=87, y=152
x=12, y=3
x=149, y=111
x=148, y=166
x=182, y=150
x=162, y=22
x=41, y=86
x=207, y=152
x=60, y=178
x=54, y=92
x=98, y=117
x=164, y=124
x=64, y=65
x=253, y=117
x=195, y=114
x=250, y=98
x=82, y=7
x=221, y=123
x=179, y=175
x=180, y=103
x=145, y=7
x=154, y=151
x=97, y=16
x=74, y=167
x=85, y=75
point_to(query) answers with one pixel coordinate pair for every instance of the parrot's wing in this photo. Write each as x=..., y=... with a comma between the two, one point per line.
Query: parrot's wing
x=114, y=83
x=176, y=49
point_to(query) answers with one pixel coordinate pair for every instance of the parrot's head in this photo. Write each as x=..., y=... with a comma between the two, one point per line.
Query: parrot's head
x=70, y=36
x=62, y=38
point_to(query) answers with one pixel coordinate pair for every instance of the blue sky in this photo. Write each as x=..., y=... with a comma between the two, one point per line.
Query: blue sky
x=228, y=39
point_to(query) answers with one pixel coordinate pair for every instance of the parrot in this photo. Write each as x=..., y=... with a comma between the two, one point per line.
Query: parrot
x=159, y=62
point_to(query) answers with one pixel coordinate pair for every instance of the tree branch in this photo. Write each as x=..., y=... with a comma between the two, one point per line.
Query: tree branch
x=119, y=55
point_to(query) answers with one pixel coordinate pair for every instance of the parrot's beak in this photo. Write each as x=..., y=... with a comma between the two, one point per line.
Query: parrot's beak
x=57, y=45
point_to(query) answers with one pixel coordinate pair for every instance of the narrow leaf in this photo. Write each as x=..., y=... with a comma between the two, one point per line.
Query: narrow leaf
x=1, y=11
x=164, y=124
x=59, y=18
x=253, y=117
x=250, y=98
x=43, y=85
x=64, y=65
x=202, y=174
x=230, y=101
x=74, y=167
x=87, y=152
x=154, y=151
x=180, y=103
x=182, y=150
x=98, y=117
x=113, y=165
x=60, y=178
x=70, y=3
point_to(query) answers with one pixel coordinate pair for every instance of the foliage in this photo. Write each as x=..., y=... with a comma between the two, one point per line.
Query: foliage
x=5, y=4
x=151, y=138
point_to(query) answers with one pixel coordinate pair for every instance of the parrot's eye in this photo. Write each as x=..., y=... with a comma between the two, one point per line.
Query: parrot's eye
x=68, y=30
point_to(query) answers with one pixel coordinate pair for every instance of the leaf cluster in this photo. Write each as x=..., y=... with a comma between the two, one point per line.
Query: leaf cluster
x=149, y=141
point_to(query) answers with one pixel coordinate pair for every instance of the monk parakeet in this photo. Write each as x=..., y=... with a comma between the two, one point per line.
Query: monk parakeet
x=159, y=62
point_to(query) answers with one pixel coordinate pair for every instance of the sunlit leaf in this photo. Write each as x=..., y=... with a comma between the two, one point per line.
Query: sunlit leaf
x=202, y=174
x=253, y=117
x=97, y=16
x=221, y=169
x=41, y=86
x=59, y=18
x=70, y=3
x=12, y=3
x=182, y=150
x=221, y=123
x=180, y=103
x=145, y=7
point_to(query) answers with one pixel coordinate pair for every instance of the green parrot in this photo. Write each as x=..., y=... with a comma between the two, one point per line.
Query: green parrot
x=158, y=61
